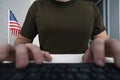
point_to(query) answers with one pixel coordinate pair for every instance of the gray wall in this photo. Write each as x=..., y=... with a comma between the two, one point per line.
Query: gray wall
x=113, y=18
x=18, y=7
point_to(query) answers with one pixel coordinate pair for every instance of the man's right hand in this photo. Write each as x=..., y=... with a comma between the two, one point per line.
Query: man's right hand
x=22, y=53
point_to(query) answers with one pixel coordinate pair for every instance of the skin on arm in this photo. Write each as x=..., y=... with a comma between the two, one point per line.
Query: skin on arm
x=21, y=52
x=96, y=51
x=101, y=47
x=9, y=49
x=28, y=51
x=98, y=48
x=102, y=35
x=28, y=43
x=22, y=40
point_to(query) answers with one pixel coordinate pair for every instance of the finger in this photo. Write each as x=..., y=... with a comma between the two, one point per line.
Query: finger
x=21, y=56
x=47, y=56
x=108, y=47
x=36, y=52
x=98, y=51
x=117, y=56
x=86, y=58
x=115, y=51
x=5, y=50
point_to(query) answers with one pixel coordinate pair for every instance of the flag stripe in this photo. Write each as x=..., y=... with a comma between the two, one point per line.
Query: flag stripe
x=15, y=26
x=13, y=23
x=12, y=28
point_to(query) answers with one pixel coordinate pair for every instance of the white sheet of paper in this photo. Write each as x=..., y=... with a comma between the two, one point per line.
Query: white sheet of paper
x=67, y=58
x=71, y=58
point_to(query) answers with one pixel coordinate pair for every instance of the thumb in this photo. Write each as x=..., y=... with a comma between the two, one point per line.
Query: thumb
x=87, y=57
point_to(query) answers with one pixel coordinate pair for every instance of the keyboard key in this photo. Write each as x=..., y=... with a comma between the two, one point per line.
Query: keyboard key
x=5, y=76
x=100, y=76
x=70, y=76
x=85, y=70
x=18, y=76
x=32, y=76
x=116, y=77
x=83, y=76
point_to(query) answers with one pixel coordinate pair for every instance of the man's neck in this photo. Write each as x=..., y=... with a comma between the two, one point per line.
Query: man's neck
x=63, y=0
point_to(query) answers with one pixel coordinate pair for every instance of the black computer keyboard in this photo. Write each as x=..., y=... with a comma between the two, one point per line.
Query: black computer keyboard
x=65, y=71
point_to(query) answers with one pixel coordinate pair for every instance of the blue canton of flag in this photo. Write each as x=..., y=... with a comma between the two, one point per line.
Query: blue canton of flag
x=14, y=26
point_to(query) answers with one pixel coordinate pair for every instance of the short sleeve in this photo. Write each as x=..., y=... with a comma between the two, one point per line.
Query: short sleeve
x=98, y=23
x=29, y=29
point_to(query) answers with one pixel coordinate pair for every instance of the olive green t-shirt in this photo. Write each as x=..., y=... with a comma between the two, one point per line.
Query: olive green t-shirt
x=63, y=27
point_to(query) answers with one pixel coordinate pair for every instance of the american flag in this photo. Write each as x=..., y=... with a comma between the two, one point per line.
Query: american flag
x=14, y=26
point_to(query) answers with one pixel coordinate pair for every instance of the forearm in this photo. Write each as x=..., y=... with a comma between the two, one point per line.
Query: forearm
x=102, y=35
x=22, y=40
